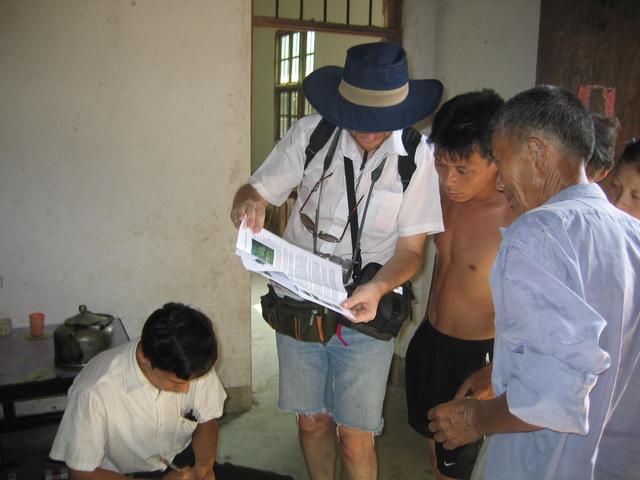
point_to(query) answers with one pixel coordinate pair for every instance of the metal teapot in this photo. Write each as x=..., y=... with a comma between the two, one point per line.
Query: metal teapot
x=82, y=337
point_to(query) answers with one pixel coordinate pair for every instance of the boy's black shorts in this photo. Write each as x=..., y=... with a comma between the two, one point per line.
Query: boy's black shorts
x=436, y=365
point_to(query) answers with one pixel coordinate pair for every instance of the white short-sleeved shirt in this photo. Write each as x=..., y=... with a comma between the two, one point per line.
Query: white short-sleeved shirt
x=117, y=420
x=391, y=212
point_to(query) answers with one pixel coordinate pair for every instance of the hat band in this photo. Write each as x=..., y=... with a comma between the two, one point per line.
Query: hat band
x=373, y=98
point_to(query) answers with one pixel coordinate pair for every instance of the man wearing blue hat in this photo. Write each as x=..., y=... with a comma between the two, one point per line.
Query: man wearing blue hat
x=336, y=383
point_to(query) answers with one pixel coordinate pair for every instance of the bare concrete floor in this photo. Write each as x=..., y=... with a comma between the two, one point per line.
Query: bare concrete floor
x=266, y=438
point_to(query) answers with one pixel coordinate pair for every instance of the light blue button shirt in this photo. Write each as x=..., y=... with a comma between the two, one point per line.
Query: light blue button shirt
x=567, y=299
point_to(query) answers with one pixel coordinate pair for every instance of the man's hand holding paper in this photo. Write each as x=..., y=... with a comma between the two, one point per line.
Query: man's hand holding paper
x=363, y=303
x=248, y=207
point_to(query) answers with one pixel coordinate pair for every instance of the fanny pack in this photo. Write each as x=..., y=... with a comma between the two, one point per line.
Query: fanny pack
x=305, y=321
x=393, y=309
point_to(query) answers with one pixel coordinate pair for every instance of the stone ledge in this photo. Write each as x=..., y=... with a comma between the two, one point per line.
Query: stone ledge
x=238, y=399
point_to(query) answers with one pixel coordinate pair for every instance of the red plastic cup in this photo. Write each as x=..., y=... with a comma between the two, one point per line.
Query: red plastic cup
x=36, y=324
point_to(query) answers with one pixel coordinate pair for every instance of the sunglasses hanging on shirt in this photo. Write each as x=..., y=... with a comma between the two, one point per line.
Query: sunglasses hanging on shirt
x=313, y=226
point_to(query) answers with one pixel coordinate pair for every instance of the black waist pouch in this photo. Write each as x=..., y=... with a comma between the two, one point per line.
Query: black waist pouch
x=393, y=309
x=302, y=320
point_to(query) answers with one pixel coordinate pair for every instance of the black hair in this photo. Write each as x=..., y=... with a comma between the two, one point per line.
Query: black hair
x=606, y=131
x=552, y=112
x=631, y=153
x=464, y=122
x=179, y=339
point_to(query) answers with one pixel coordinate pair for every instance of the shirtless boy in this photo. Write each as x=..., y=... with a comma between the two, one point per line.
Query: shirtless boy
x=456, y=338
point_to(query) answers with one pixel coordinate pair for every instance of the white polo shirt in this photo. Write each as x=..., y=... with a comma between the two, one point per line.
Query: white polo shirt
x=117, y=420
x=391, y=212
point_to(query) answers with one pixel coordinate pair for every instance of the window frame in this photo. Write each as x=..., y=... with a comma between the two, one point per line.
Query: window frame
x=288, y=96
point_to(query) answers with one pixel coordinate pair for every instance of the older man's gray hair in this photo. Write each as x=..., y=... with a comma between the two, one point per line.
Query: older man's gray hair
x=553, y=113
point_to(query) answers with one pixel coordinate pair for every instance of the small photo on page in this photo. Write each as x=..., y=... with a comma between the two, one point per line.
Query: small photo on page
x=262, y=252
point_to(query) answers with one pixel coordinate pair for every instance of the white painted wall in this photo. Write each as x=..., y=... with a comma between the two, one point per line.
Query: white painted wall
x=474, y=44
x=493, y=43
x=123, y=136
x=419, y=28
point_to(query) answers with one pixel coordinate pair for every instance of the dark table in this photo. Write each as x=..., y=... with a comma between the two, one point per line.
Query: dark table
x=27, y=371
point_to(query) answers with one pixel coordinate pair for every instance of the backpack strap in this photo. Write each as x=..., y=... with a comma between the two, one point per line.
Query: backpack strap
x=319, y=137
x=407, y=163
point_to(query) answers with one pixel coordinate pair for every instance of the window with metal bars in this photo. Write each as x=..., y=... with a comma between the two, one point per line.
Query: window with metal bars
x=295, y=53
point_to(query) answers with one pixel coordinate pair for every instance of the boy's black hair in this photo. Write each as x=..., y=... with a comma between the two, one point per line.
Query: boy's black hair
x=606, y=129
x=464, y=123
x=631, y=153
x=179, y=339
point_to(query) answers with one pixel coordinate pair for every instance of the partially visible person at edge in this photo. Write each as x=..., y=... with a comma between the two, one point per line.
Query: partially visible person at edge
x=565, y=291
x=339, y=386
x=157, y=397
x=602, y=160
x=623, y=185
x=456, y=338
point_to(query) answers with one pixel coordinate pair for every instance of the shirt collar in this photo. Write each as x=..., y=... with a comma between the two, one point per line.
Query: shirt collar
x=395, y=143
x=590, y=190
x=134, y=379
x=583, y=190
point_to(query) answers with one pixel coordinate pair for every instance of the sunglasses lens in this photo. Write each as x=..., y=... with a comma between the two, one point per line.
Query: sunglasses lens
x=310, y=226
x=307, y=222
x=327, y=237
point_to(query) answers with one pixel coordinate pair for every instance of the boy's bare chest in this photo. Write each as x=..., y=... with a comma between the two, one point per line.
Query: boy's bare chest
x=471, y=238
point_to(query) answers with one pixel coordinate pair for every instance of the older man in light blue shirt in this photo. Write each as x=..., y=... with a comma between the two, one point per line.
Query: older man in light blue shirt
x=567, y=301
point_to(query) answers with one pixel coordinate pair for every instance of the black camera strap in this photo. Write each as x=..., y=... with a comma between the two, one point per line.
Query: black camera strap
x=356, y=230
x=356, y=258
x=325, y=166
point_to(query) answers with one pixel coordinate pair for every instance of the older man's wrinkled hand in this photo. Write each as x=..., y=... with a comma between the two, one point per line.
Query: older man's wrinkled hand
x=453, y=423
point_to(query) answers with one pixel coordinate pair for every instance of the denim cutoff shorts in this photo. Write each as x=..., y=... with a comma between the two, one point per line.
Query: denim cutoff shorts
x=347, y=382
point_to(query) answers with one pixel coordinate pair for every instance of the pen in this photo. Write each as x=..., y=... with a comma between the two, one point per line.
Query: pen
x=169, y=464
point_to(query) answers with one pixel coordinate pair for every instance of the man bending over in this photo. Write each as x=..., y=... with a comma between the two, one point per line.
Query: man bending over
x=137, y=404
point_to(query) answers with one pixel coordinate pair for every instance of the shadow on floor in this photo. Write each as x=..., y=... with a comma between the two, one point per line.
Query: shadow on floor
x=25, y=455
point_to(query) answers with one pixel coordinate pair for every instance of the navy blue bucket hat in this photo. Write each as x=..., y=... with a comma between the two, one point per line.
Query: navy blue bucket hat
x=372, y=93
